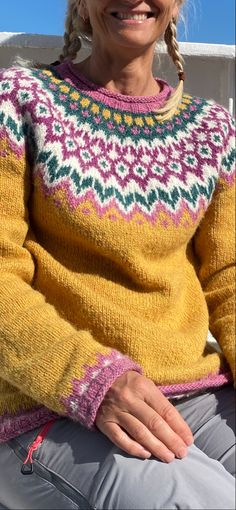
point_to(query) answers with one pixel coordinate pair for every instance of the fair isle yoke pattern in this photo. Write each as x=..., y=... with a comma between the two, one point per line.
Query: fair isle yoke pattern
x=108, y=165
x=122, y=166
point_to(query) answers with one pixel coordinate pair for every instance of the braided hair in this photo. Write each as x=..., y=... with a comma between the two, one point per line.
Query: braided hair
x=72, y=42
x=170, y=38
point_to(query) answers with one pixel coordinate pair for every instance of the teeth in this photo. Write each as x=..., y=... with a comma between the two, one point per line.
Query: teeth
x=139, y=17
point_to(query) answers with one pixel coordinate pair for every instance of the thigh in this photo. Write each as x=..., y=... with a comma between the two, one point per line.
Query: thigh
x=211, y=417
x=36, y=491
x=195, y=482
x=76, y=468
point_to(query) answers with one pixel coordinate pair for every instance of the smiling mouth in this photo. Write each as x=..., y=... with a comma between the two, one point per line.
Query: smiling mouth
x=133, y=16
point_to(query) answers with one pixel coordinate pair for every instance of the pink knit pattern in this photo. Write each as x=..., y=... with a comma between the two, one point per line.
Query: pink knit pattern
x=15, y=425
x=138, y=104
x=212, y=381
x=88, y=393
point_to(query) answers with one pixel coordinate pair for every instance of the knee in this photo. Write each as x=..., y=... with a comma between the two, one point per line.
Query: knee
x=135, y=484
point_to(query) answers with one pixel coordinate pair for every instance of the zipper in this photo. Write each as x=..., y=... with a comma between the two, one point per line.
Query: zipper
x=52, y=477
x=27, y=466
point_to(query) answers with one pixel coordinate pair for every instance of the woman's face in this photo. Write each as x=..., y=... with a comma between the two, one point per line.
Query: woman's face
x=136, y=24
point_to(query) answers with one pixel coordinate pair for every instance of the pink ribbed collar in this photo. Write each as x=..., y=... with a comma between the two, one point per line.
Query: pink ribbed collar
x=134, y=104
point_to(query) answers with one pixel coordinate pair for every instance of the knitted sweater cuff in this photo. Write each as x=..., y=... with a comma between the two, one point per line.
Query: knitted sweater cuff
x=88, y=393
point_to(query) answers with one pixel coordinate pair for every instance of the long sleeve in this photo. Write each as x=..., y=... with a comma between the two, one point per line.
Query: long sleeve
x=214, y=245
x=41, y=353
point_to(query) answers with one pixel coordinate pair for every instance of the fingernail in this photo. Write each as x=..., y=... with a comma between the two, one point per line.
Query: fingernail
x=170, y=457
x=182, y=453
x=146, y=454
x=189, y=440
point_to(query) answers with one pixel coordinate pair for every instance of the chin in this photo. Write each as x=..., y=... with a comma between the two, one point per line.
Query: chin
x=132, y=41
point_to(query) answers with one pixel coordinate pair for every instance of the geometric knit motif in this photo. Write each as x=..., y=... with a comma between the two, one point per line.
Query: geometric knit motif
x=122, y=166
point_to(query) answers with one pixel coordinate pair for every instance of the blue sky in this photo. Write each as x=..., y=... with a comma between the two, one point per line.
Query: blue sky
x=209, y=21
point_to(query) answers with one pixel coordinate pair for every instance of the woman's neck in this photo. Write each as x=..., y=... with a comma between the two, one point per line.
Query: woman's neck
x=129, y=77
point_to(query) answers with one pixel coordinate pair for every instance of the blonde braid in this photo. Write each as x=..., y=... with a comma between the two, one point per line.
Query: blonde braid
x=175, y=99
x=170, y=38
x=71, y=36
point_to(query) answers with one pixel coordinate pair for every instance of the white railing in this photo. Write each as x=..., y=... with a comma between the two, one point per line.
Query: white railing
x=210, y=68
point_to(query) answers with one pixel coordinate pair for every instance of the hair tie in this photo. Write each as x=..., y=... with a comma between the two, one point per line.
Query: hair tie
x=182, y=76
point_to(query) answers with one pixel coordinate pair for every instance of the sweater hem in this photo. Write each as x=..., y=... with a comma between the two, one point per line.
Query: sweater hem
x=25, y=420
x=211, y=381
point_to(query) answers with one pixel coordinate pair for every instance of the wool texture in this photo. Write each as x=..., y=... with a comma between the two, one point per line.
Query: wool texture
x=116, y=244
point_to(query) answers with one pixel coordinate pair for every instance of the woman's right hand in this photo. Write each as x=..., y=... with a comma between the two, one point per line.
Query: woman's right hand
x=140, y=420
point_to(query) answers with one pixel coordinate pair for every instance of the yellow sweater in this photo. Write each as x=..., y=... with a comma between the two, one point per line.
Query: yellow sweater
x=116, y=244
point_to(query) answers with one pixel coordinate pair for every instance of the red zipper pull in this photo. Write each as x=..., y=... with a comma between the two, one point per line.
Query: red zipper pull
x=27, y=467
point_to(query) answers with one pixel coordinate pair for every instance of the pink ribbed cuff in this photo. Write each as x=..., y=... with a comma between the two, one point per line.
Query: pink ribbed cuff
x=88, y=393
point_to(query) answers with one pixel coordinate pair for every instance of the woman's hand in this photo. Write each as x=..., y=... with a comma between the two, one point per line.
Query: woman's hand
x=140, y=420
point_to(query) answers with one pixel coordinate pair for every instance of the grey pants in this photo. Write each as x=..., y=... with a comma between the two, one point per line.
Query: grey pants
x=78, y=469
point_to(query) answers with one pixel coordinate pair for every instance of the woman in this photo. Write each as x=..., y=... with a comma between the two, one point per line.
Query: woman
x=116, y=251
